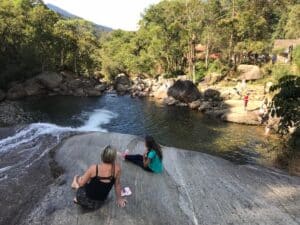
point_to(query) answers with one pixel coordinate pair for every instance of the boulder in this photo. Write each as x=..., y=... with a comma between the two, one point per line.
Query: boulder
x=195, y=188
x=181, y=104
x=2, y=95
x=101, y=87
x=79, y=92
x=212, y=94
x=216, y=113
x=15, y=92
x=170, y=101
x=184, y=91
x=249, y=118
x=74, y=84
x=93, y=92
x=161, y=92
x=13, y=114
x=122, y=83
x=205, y=106
x=195, y=104
x=122, y=79
x=249, y=72
x=33, y=87
x=267, y=87
x=50, y=80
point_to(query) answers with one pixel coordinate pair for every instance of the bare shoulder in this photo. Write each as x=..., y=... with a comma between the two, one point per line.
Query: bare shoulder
x=117, y=168
x=92, y=169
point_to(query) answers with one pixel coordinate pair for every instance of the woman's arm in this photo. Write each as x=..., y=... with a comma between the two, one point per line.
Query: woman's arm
x=120, y=200
x=85, y=177
x=146, y=160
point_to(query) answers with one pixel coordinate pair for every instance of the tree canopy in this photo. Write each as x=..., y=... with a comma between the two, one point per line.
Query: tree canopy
x=34, y=38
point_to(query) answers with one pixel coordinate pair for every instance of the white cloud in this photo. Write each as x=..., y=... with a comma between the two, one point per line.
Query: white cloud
x=117, y=14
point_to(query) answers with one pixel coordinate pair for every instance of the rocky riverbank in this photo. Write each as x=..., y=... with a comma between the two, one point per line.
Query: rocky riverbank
x=218, y=101
x=51, y=83
x=195, y=188
x=225, y=103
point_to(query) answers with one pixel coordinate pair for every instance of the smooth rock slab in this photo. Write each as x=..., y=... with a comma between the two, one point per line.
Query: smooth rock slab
x=195, y=188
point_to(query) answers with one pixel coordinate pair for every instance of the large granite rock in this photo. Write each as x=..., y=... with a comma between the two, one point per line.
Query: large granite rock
x=184, y=91
x=195, y=188
x=249, y=72
x=249, y=118
x=33, y=87
x=50, y=80
x=12, y=113
x=161, y=92
x=15, y=92
x=122, y=83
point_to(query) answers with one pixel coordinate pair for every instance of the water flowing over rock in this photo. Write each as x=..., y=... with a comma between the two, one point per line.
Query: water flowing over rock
x=184, y=91
x=195, y=188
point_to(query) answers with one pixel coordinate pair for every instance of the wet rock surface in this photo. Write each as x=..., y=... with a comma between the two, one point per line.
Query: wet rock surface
x=195, y=188
x=12, y=113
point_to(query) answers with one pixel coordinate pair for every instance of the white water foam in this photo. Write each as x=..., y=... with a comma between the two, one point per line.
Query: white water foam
x=96, y=119
x=34, y=141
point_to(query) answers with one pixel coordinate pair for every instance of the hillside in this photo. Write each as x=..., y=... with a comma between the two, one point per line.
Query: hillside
x=69, y=15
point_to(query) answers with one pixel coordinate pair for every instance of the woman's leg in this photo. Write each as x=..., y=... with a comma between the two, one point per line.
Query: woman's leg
x=136, y=159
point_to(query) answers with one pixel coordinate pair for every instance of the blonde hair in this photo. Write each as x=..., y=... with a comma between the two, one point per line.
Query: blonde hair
x=109, y=155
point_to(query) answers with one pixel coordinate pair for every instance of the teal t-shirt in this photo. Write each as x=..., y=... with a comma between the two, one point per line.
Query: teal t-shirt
x=155, y=162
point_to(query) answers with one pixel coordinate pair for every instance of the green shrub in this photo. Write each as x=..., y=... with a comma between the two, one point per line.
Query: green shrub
x=296, y=57
x=279, y=71
x=200, y=71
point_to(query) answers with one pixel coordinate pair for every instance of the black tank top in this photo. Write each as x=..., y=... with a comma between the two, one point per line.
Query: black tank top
x=98, y=190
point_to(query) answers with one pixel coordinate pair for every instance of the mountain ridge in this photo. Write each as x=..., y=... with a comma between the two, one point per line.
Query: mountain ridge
x=64, y=13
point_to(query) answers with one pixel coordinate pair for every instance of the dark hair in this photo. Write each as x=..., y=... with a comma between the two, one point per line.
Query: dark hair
x=152, y=145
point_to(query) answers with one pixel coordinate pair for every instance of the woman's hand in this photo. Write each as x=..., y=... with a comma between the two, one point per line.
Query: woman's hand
x=121, y=202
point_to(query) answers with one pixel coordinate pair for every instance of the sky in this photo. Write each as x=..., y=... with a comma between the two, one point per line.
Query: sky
x=116, y=14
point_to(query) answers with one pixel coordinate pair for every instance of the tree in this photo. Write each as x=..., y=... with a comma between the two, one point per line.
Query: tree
x=42, y=21
x=292, y=28
x=286, y=102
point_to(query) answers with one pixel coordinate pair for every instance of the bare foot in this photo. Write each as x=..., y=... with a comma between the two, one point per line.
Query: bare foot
x=75, y=200
x=75, y=184
x=123, y=154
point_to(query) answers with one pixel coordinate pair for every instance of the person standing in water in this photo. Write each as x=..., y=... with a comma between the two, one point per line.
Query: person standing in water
x=151, y=160
x=95, y=184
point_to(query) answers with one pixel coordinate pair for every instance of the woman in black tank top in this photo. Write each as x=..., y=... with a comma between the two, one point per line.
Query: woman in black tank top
x=93, y=188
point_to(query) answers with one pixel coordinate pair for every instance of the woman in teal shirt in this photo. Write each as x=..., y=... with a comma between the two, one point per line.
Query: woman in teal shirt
x=151, y=160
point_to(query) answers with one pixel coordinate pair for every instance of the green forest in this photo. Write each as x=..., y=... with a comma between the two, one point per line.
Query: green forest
x=35, y=39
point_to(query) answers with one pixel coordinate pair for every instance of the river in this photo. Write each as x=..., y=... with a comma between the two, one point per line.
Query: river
x=49, y=119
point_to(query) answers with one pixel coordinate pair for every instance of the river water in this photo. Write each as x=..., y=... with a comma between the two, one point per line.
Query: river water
x=50, y=119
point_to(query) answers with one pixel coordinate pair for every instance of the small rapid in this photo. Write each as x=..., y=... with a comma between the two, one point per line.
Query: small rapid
x=31, y=142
